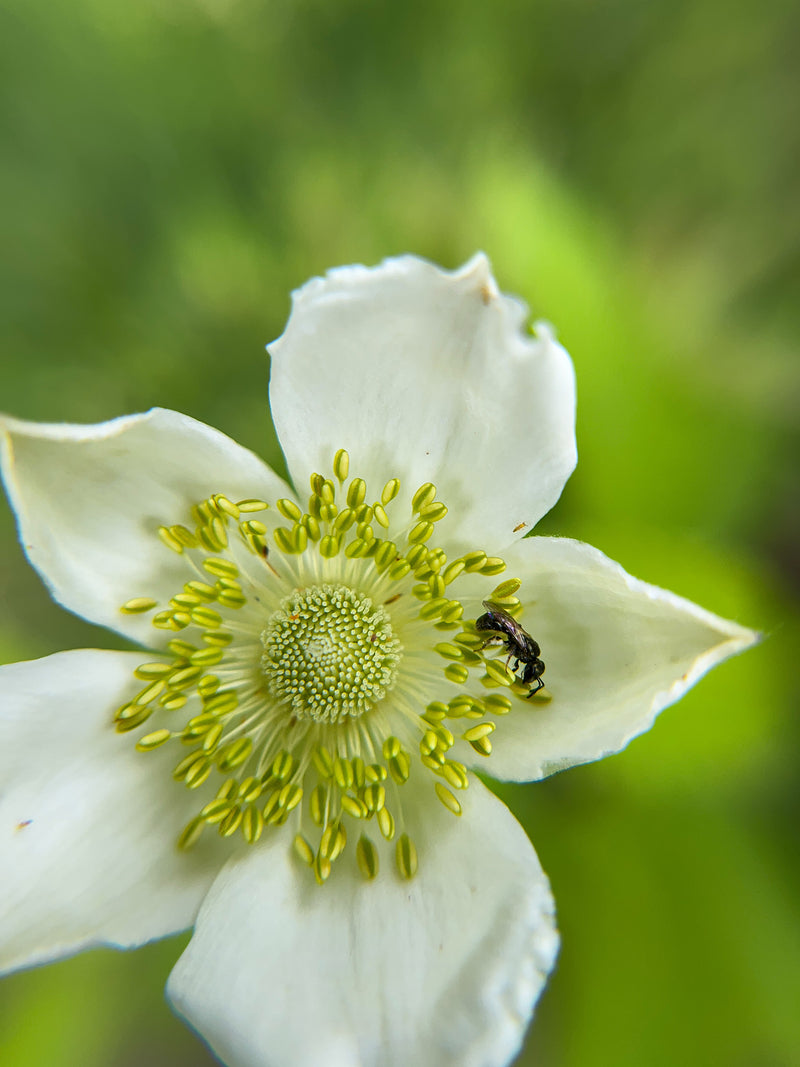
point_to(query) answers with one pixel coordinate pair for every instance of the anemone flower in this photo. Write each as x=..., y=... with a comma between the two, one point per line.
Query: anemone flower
x=287, y=763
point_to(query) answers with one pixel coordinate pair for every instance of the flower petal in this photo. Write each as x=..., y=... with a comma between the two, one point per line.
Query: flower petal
x=89, y=501
x=87, y=825
x=442, y=970
x=427, y=375
x=617, y=652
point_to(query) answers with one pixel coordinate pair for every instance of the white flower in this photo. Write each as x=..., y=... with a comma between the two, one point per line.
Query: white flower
x=288, y=768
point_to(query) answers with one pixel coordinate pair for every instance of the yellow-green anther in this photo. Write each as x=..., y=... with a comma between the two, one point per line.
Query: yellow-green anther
x=216, y=810
x=200, y=589
x=449, y=651
x=344, y=520
x=289, y=509
x=497, y=703
x=290, y=796
x=446, y=738
x=365, y=531
x=153, y=740
x=498, y=672
x=207, y=618
x=179, y=647
x=219, y=638
x=475, y=733
x=493, y=565
x=251, y=504
x=283, y=539
x=400, y=767
x=312, y=527
x=367, y=857
x=314, y=506
x=198, y=774
x=421, y=532
x=206, y=657
x=356, y=492
x=391, y=747
x=416, y=555
x=234, y=754
x=473, y=561
x=172, y=701
x=399, y=569
x=364, y=513
x=353, y=807
x=191, y=833
x=426, y=494
x=421, y=592
x=316, y=482
x=343, y=772
x=164, y=621
x=185, y=601
x=282, y=765
x=218, y=531
x=380, y=516
x=152, y=670
x=250, y=789
x=505, y=589
x=390, y=491
x=433, y=512
x=208, y=685
x=436, y=585
x=230, y=824
x=327, y=492
x=447, y=798
x=406, y=856
x=223, y=504
x=252, y=824
x=375, y=797
x=299, y=539
x=329, y=546
x=469, y=639
x=453, y=612
x=323, y=762
x=385, y=554
x=483, y=746
x=433, y=608
x=385, y=821
x=359, y=771
x=253, y=527
x=453, y=570
x=184, y=536
x=316, y=804
x=341, y=464
x=181, y=619
x=303, y=850
x=271, y=806
x=186, y=764
x=150, y=692
x=322, y=869
x=453, y=775
x=328, y=512
x=170, y=540
x=456, y=672
x=211, y=740
x=221, y=568
x=138, y=605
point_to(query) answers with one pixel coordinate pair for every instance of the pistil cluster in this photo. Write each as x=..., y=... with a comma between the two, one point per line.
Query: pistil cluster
x=310, y=642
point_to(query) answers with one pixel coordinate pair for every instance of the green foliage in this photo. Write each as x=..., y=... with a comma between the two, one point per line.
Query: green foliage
x=170, y=170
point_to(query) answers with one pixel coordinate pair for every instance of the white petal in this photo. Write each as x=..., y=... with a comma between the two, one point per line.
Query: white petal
x=88, y=825
x=440, y=971
x=428, y=375
x=617, y=651
x=89, y=501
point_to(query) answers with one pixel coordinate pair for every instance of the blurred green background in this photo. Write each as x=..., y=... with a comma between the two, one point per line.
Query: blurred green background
x=171, y=169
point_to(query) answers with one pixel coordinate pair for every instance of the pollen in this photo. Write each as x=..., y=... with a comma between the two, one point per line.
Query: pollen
x=302, y=656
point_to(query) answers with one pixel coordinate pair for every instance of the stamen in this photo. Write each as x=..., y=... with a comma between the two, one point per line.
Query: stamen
x=308, y=640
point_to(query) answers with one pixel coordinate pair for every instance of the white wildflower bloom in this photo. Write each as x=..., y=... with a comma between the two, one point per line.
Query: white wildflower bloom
x=289, y=766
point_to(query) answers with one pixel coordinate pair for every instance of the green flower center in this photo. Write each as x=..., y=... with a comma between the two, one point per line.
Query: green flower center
x=318, y=667
x=329, y=654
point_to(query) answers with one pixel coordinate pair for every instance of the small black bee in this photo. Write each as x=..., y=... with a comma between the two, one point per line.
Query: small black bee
x=519, y=644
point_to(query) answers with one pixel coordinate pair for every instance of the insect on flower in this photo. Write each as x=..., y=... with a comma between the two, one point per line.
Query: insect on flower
x=520, y=646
